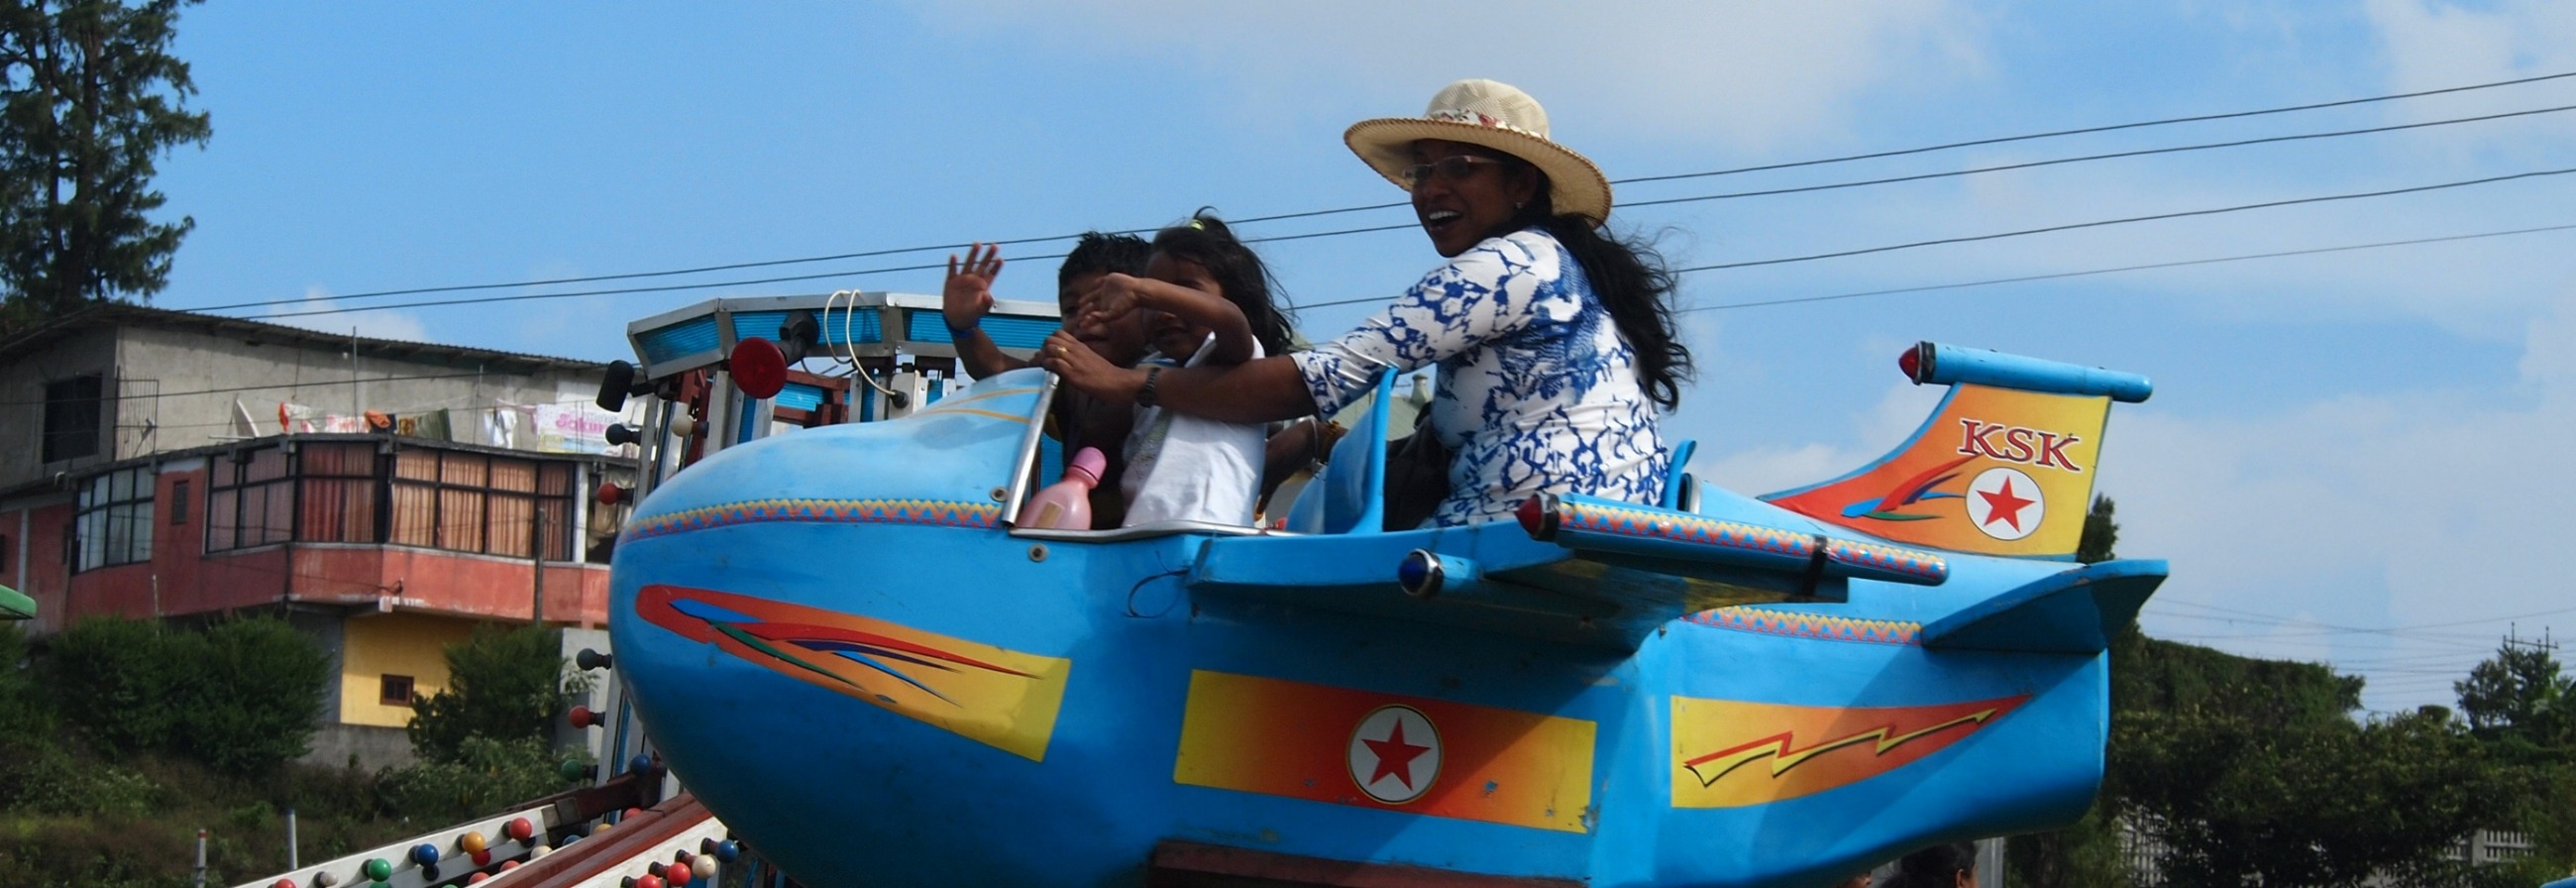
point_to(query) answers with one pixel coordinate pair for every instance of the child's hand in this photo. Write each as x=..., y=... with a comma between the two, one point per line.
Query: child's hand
x=1085, y=370
x=1110, y=300
x=967, y=296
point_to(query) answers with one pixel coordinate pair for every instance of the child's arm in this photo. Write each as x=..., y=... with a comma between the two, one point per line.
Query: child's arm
x=1118, y=294
x=964, y=299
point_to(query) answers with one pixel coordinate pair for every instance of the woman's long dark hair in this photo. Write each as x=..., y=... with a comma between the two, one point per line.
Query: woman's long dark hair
x=1206, y=241
x=1633, y=283
x=1938, y=866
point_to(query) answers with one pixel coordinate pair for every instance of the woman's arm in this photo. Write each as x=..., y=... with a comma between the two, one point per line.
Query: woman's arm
x=1117, y=294
x=1252, y=391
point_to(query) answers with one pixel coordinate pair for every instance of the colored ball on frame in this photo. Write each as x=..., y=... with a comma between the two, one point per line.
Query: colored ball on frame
x=471, y=842
x=519, y=829
x=705, y=867
x=377, y=869
x=424, y=854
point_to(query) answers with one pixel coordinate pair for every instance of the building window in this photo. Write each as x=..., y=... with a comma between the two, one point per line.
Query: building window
x=251, y=501
x=472, y=502
x=73, y=414
x=350, y=492
x=114, y=524
x=394, y=690
x=179, y=502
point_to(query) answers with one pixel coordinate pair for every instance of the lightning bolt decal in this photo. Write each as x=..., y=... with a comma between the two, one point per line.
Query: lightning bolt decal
x=1723, y=761
x=1846, y=745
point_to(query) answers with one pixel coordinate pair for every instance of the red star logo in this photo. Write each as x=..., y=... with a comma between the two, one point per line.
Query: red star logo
x=2004, y=506
x=1394, y=756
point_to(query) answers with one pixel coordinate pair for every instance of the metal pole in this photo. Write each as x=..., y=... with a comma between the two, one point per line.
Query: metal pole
x=290, y=840
x=537, y=562
x=201, y=858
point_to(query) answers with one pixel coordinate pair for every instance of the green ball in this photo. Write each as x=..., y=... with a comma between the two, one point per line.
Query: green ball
x=378, y=869
x=571, y=769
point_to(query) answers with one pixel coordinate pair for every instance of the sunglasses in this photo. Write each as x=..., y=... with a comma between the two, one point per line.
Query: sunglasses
x=1452, y=169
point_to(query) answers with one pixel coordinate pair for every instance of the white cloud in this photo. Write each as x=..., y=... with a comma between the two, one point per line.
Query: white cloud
x=1751, y=75
x=390, y=324
x=2433, y=44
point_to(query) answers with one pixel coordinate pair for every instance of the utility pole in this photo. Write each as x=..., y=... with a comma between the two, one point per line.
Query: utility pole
x=537, y=564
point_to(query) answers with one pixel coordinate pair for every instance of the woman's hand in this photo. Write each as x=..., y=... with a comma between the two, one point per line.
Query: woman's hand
x=1111, y=299
x=1087, y=371
x=967, y=295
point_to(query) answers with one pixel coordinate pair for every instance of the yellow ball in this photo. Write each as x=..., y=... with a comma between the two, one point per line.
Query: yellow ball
x=601, y=828
x=471, y=842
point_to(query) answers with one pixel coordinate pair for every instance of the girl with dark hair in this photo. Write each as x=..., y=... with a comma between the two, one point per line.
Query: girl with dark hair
x=1205, y=300
x=1555, y=341
x=1952, y=865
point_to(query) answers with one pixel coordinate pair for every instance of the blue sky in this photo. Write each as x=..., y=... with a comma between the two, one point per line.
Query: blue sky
x=2354, y=457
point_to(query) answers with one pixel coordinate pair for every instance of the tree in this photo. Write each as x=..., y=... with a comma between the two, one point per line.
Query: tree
x=240, y=696
x=2520, y=695
x=89, y=96
x=501, y=685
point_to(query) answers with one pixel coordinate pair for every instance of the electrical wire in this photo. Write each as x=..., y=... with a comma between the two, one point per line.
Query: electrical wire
x=253, y=388
x=2063, y=274
x=2154, y=217
x=1997, y=140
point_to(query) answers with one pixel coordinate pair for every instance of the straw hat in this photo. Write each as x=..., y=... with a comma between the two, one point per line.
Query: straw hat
x=1494, y=115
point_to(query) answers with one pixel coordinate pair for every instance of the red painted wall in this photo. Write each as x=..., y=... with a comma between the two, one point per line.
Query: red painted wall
x=183, y=579
x=46, y=575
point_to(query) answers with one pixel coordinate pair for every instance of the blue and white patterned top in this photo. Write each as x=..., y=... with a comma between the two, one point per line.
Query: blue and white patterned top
x=1538, y=392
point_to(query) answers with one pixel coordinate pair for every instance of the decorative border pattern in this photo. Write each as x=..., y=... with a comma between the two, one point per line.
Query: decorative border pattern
x=1681, y=528
x=1893, y=559
x=1804, y=625
x=941, y=513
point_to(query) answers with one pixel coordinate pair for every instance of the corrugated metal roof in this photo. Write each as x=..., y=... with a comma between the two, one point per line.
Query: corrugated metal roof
x=112, y=314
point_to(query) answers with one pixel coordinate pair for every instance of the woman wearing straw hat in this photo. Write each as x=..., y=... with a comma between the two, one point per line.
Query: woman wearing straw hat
x=1554, y=340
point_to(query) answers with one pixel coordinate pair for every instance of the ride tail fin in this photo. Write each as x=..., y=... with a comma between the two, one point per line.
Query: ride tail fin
x=2005, y=466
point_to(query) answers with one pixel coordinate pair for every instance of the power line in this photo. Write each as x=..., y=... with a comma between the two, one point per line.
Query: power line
x=2144, y=152
x=2064, y=274
x=453, y=288
x=2101, y=129
x=1839, y=254
x=318, y=383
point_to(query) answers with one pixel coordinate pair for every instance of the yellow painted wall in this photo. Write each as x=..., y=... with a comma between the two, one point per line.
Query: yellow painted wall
x=397, y=644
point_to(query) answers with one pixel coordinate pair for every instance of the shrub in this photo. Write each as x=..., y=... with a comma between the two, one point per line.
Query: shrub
x=502, y=685
x=259, y=685
x=483, y=775
x=240, y=696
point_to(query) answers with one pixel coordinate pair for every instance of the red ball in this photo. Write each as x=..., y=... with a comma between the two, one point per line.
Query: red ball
x=483, y=857
x=282, y=883
x=508, y=865
x=520, y=829
x=649, y=882
x=477, y=877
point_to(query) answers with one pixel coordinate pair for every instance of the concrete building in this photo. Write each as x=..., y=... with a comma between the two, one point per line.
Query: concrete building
x=387, y=497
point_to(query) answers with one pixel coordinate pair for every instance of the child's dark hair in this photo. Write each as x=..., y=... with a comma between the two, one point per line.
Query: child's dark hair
x=1938, y=866
x=1206, y=241
x=1101, y=253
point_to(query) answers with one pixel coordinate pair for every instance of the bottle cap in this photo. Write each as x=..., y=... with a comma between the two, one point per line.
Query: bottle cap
x=1090, y=463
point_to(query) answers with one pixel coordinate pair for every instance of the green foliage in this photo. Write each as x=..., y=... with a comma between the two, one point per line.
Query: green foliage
x=113, y=679
x=502, y=685
x=483, y=775
x=2101, y=532
x=2520, y=698
x=2246, y=798
x=259, y=686
x=240, y=696
x=89, y=97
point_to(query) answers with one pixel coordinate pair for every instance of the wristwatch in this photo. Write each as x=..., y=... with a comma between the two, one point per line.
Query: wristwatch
x=1145, y=396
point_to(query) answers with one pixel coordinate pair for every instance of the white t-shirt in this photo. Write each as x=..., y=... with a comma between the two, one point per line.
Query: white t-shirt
x=1191, y=468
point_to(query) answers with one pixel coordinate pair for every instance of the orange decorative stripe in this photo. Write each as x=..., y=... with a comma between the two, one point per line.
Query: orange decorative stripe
x=1385, y=751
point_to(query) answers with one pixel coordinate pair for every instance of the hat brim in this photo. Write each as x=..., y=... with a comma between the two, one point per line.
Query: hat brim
x=1575, y=185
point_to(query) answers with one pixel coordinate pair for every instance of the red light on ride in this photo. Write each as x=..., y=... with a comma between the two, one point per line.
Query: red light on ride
x=759, y=369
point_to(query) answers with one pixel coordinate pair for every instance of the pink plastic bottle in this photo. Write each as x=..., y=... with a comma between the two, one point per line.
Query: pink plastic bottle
x=1066, y=504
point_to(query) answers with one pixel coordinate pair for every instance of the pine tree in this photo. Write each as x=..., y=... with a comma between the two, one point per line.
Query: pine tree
x=89, y=96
